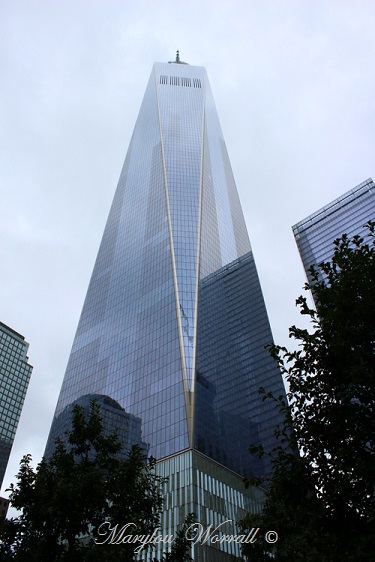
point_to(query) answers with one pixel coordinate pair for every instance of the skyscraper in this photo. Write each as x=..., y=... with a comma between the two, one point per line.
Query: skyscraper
x=345, y=215
x=174, y=324
x=15, y=373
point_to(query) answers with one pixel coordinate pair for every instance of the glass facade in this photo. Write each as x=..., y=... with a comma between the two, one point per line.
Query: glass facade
x=15, y=373
x=232, y=364
x=174, y=324
x=196, y=484
x=114, y=419
x=345, y=215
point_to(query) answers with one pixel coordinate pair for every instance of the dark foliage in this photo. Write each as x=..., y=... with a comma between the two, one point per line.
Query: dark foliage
x=64, y=502
x=321, y=495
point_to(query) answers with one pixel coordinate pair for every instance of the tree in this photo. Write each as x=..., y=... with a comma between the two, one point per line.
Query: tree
x=321, y=495
x=180, y=551
x=70, y=505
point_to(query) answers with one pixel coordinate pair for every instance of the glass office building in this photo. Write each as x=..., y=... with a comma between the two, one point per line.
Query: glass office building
x=345, y=215
x=15, y=373
x=174, y=324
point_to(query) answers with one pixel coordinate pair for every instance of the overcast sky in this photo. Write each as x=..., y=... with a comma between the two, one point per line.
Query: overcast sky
x=295, y=91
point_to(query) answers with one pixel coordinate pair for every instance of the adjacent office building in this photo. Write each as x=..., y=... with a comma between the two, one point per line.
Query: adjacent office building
x=345, y=215
x=174, y=326
x=4, y=504
x=15, y=373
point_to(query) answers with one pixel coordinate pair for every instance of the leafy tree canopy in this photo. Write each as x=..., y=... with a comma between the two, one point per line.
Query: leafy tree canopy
x=321, y=494
x=72, y=501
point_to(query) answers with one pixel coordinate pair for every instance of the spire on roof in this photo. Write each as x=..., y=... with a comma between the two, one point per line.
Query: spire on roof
x=178, y=60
